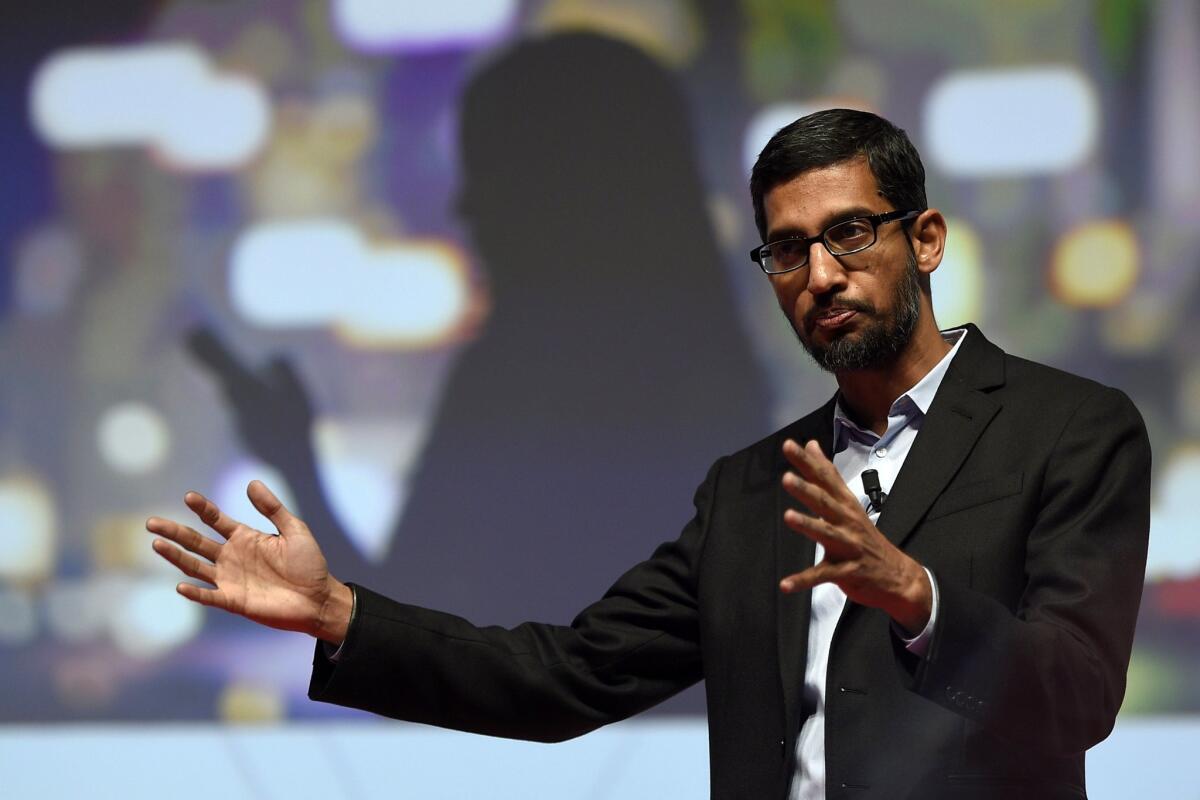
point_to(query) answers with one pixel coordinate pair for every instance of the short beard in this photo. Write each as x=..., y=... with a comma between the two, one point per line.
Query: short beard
x=878, y=344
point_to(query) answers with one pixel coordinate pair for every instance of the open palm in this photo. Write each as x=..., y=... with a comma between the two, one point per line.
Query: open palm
x=280, y=581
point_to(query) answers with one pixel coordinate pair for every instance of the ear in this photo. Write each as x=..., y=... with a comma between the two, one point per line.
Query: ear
x=928, y=237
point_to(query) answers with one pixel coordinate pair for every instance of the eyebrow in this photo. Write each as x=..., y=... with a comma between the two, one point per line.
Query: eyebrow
x=792, y=232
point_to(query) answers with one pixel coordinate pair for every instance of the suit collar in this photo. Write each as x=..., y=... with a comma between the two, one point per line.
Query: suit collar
x=979, y=364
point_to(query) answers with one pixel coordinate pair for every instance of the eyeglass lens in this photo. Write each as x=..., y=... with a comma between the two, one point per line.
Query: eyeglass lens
x=840, y=239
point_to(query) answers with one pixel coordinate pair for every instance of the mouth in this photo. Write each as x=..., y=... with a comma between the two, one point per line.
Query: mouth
x=833, y=318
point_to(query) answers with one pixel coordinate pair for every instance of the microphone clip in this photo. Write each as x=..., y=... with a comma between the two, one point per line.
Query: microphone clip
x=870, y=480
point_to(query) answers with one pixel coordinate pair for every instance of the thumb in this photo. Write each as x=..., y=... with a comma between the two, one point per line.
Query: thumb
x=270, y=507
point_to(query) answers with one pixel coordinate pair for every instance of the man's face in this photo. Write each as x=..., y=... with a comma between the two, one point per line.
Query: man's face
x=850, y=312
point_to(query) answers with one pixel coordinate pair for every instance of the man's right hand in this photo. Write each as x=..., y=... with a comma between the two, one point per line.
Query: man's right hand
x=280, y=581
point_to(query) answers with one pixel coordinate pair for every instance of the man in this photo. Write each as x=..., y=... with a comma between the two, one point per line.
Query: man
x=944, y=609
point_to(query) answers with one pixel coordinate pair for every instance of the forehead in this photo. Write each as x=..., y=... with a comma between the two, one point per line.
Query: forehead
x=812, y=199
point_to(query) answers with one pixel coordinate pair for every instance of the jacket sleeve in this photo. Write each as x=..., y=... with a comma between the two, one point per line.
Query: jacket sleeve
x=1052, y=674
x=633, y=648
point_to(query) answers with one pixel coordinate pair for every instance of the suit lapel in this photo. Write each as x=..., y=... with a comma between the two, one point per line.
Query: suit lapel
x=959, y=414
x=794, y=553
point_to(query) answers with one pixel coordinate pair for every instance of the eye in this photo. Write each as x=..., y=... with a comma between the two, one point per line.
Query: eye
x=851, y=234
x=788, y=252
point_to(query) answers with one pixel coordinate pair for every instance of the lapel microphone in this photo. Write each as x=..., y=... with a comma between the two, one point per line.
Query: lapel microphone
x=870, y=479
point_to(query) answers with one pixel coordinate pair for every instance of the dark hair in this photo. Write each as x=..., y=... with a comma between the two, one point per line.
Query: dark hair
x=831, y=137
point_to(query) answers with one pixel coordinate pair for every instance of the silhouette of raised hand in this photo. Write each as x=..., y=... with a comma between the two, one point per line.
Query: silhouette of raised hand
x=271, y=406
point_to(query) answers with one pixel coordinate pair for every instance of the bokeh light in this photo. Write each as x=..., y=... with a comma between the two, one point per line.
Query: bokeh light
x=374, y=25
x=957, y=285
x=1174, y=547
x=151, y=619
x=981, y=123
x=323, y=272
x=28, y=529
x=1095, y=265
x=165, y=97
x=415, y=295
x=133, y=438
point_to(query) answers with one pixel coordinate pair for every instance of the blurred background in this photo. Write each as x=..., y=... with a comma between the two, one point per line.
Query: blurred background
x=466, y=283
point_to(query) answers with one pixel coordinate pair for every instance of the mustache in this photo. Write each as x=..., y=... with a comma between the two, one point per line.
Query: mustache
x=824, y=306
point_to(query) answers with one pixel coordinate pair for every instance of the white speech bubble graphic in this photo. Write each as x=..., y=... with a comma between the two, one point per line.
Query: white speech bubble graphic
x=165, y=97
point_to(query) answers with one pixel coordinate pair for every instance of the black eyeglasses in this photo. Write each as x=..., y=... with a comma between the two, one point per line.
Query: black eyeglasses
x=840, y=239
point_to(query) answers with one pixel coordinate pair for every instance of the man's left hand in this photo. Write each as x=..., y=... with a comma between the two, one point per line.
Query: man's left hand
x=858, y=557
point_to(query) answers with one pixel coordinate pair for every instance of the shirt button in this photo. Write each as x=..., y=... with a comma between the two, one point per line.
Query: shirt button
x=881, y=452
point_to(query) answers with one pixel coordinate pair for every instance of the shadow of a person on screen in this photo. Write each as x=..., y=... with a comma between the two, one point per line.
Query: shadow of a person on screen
x=611, y=373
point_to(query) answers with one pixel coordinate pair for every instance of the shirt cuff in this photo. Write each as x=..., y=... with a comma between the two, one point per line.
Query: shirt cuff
x=334, y=654
x=919, y=644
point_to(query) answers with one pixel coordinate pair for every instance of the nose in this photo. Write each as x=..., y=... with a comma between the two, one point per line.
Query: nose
x=825, y=272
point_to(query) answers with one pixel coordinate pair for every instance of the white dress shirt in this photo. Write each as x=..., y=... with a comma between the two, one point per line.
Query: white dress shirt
x=856, y=450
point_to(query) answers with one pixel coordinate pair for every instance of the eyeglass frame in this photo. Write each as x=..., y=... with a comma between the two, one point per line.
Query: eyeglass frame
x=875, y=219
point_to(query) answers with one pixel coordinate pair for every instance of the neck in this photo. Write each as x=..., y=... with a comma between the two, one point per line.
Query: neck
x=868, y=394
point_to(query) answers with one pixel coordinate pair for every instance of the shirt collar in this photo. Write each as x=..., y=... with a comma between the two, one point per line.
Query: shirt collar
x=915, y=402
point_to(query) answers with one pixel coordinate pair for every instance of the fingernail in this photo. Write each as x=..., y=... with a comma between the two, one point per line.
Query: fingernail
x=786, y=586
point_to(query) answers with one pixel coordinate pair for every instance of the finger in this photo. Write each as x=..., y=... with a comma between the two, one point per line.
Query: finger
x=825, y=572
x=818, y=500
x=198, y=594
x=188, y=565
x=810, y=462
x=185, y=537
x=796, y=454
x=814, y=467
x=270, y=506
x=828, y=475
x=210, y=515
x=821, y=532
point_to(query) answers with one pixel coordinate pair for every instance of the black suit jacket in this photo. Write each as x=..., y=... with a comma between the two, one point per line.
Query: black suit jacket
x=1026, y=494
